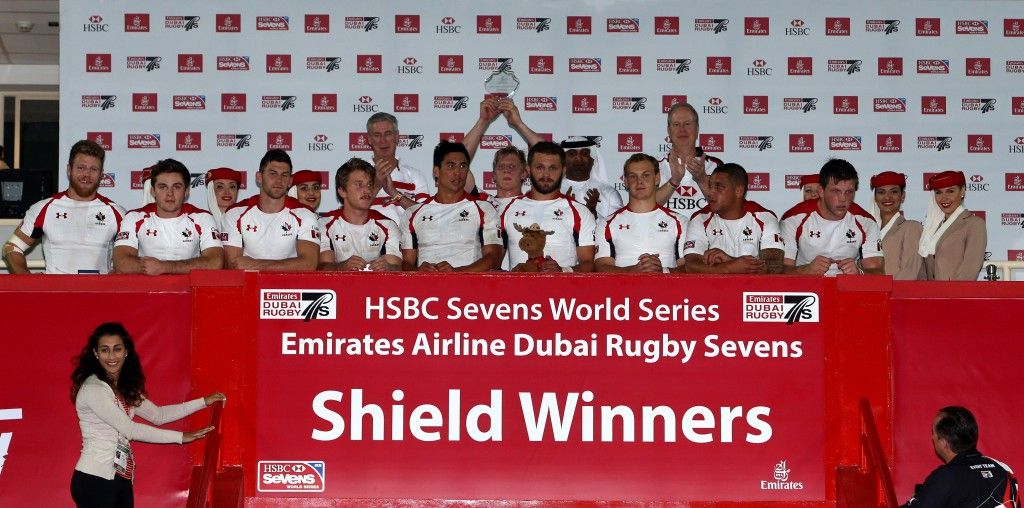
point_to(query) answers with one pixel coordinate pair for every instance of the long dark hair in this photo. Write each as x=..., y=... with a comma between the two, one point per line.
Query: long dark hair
x=131, y=384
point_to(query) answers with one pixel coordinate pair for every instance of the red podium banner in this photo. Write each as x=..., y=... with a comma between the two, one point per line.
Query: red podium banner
x=539, y=388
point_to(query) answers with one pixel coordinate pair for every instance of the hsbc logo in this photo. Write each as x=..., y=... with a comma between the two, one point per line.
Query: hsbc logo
x=755, y=104
x=365, y=105
x=281, y=102
x=719, y=65
x=452, y=102
x=761, y=143
x=410, y=66
x=542, y=64
x=144, y=102
x=541, y=103
x=275, y=23
x=407, y=23
x=979, y=143
x=937, y=143
x=928, y=27
x=933, y=66
x=189, y=102
x=759, y=182
x=618, y=25
x=849, y=67
x=628, y=65
x=232, y=63
x=755, y=26
x=844, y=143
x=584, y=103
x=325, y=103
x=890, y=104
x=230, y=23
x=448, y=26
x=976, y=183
x=104, y=102
x=358, y=142
x=666, y=25
x=712, y=142
x=759, y=67
x=189, y=141
x=136, y=22
x=801, y=143
x=800, y=66
x=449, y=64
x=488, y=24
x=797, y=28
x=232, y=102
x=329, y=63
x=667, y=101
x=143, y=141
x=801, y=104
x=882, y=26
x=1013, y=27
x=933, y=105
x=714, y=25
x=97, y=62
x=972, y=27
x=676, y=65
x=584, y=65
x=978, y=66
x=889, y=143
x=95, y=24
x=844, y=105
x=104, y=139
x=407, y=103
x=366, y=64
x=1018, y=145
x=279, y=141
x=238, y=141
x=837, y=27
x=320, y=144
x=983, y=105
x=890, y=66
x=715, y=106
x=577, y=25
x=279, y=64
x=190, y=62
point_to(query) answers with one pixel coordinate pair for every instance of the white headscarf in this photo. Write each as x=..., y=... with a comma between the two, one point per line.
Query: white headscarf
x=600, y=170
x=877, y=214
x=935, y=225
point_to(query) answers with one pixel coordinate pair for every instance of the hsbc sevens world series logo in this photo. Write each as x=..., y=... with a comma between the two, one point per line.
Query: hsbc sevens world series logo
x=304, y=304
x=786, y=308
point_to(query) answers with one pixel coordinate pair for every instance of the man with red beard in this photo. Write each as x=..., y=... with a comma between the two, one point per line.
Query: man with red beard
x=354, y=236
x=78, y=224
x=571, y=246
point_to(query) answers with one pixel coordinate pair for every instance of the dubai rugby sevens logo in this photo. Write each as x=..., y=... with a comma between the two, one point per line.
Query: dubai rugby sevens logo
x=304, y=304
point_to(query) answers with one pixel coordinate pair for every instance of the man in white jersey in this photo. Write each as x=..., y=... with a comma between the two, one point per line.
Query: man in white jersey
x=580, y=182
x=76, y=226
x=451, y=231
x=641, y=236
x=168, y=235
x=271, y=230
x=732, y=234
x=571, y=247
x=354, y=236
x=509, y=165
x=827, y=236
x=686, y=163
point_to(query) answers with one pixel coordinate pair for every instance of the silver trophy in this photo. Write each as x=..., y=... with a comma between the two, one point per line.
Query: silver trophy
x=502, y=82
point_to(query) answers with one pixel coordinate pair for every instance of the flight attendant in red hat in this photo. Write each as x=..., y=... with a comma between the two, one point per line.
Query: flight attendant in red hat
x=900, y=237
x=953, y=240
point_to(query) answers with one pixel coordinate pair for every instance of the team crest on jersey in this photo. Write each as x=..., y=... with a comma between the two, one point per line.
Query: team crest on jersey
x=101, y=219
x=747, y=231
x=558, y=214
x=851, y=237
x=463, y=215
x=187, y=234
x=663, y=225
x=287, y=228
x=373, y=237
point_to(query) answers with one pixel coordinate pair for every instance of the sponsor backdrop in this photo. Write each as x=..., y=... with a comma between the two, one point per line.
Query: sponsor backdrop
x=619, y=396
x=916, y=87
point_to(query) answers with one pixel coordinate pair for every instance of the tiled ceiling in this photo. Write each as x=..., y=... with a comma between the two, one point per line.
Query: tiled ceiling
x=38, y=46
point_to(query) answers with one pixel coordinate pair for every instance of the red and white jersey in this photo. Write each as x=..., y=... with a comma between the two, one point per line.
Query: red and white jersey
x=573, y=225
x=627, y=234
x=688, y=191
x=758, y=229
x=499, y=204
x=269, y=236
x=172, y=239
x=409, y=181
x=454, y=232
x=378, y=237
x=609, y=200
x=807, y=235
x=77, y=235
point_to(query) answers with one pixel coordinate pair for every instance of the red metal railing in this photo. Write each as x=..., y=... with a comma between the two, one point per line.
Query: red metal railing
x=203, y=474
x=875, y=454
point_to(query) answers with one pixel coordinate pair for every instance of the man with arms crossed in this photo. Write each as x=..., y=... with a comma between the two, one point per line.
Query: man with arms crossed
x=354, y=236
x=827, y=236
x=450, y=231
x=271, y=230
x=571, y=247
x=78, y=224
x=641, y=236
x=732, y=234
x=168, y=235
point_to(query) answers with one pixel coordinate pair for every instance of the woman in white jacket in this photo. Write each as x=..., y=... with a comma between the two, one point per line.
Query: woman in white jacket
x=108, y=388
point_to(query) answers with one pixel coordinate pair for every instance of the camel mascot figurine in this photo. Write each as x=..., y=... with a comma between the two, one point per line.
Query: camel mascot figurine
x=532, y=243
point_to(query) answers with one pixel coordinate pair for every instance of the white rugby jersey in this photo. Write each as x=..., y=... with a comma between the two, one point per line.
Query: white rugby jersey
x=172, y=239
x=573, y=225
x=758, y=229
x=76, y=235
x=687, y=188
x=378, y=237
x=454, y=232
x=807, y=235
x=269, y=236
x=609, y=202
x=409, y=181
x=627, y=234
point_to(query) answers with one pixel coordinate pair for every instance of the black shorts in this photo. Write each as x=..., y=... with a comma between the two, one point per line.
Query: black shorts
x=91, y=491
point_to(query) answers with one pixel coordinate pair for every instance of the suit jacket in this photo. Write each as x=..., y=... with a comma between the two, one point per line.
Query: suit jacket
x=960, y=252
x=900, y=247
